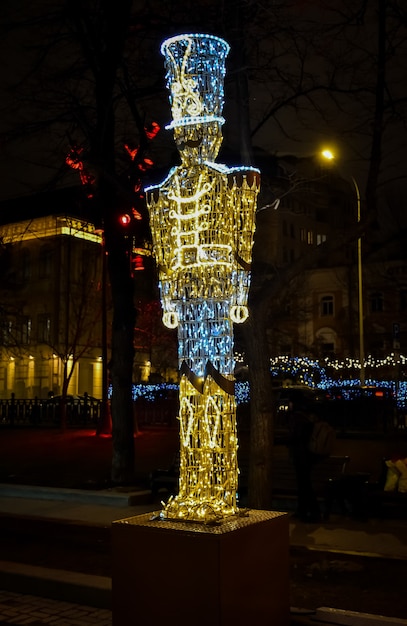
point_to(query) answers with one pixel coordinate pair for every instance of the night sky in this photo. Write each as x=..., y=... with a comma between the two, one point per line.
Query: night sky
x=290, y=109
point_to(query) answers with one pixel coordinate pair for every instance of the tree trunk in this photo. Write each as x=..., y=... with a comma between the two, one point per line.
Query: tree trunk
x=115, y=21
x=62, y=402
x=261, y=439
x=261, y=411
x=121, y=367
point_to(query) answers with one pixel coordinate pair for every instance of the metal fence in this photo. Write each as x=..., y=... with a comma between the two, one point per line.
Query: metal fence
x=162, y=411
x=84, y=413
x=23, y=412
x=159, y=412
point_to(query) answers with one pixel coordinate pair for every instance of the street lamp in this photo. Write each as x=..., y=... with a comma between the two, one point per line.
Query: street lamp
x=329, y=156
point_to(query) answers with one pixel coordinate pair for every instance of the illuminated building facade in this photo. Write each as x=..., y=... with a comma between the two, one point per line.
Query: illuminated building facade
x=316, y=315
x=202, y=222
x=51, y=300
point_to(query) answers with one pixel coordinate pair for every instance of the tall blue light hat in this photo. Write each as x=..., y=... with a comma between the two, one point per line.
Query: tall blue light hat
x=195, y=67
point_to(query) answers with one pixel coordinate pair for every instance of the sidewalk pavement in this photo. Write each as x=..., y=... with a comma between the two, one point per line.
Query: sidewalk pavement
x=51, y=591
x=375, y=537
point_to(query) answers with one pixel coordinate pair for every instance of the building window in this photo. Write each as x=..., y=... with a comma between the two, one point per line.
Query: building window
x=378, y=348
x=44, y=328
x=328, y=349
x=25, y=330
x=376, y=302
x=292, y=231
x=25, y=265
x=327, y=305
x=303, y=235
x=285, y=349
x=285, y=232
x=45, y=262
x=310, y=237
x=326, y=342
x=7, y=333
x=403, y=300
x=320, y=239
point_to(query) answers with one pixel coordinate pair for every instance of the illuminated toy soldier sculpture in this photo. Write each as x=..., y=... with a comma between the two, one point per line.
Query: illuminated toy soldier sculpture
x=202, y=222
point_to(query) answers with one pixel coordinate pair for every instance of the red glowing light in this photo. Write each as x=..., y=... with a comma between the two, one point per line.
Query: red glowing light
x=138, y=264
x=136, y=214
x=86, y=177
x=73, y=160
x=132, y=152
x=152, y=130
x=145, y=164
x=124, y=219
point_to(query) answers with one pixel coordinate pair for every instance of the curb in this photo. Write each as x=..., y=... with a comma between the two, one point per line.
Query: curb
x=107, y=497
x=74, y=587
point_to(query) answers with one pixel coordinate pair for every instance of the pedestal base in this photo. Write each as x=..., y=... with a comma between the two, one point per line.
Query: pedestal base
x=189, y=574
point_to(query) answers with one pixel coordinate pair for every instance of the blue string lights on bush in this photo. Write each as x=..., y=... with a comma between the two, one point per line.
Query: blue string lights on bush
x=313, y=373
x=330, y=374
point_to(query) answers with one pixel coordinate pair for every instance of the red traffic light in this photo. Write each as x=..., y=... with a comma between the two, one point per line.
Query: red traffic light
x=138, y=263
x=124, y=219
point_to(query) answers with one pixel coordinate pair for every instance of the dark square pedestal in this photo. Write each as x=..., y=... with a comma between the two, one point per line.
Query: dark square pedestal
x=187, y=574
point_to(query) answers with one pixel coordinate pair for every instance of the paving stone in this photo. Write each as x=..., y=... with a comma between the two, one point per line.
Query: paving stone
x=28, y=610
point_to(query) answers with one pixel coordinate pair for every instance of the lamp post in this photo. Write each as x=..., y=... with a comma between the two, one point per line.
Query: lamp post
x=329, y=156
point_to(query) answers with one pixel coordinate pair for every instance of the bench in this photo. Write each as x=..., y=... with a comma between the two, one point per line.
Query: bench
x=327, y=469
x=326, y=476
x=329, y=479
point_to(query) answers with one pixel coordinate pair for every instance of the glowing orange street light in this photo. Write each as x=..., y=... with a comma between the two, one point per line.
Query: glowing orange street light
x=328, y=155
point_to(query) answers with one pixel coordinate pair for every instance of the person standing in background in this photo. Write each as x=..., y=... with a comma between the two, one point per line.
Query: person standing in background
x=300, y=426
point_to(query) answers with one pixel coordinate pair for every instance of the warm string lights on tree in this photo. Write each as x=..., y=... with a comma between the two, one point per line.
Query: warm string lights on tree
x=202, y=223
